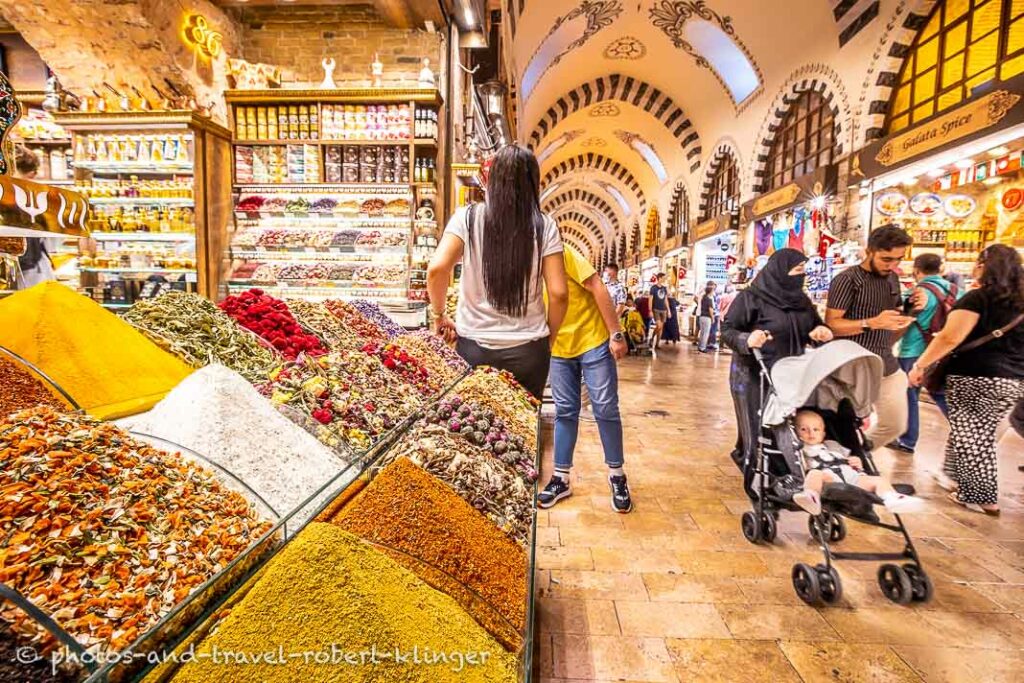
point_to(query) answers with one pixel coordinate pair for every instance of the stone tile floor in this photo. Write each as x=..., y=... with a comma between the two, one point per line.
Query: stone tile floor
x=673, y=592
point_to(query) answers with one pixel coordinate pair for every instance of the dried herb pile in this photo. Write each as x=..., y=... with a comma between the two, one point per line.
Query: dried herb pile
x=378, y=317
x=270, y=319
x=493, y=389
x=406, y=509
x=481, y=479
x=427, y=348
x=194, y=329
x=320, y=321
x=407, y=366
x=347, y=400
x=20, y=389
x=327, y=586
x=355, y=321
x=109, y=367
x=440, y=347
x=105, y=533
x=218, y=414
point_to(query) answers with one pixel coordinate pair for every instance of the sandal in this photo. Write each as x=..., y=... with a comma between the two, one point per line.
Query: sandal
x=973, y=507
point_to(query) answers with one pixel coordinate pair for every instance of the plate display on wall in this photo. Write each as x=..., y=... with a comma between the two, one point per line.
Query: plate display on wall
x=891, y=204
x=960, y=205
x=1013, y=198
x=926, y=204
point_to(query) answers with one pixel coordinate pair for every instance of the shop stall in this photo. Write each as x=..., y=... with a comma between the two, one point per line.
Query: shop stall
x=715, y=244
x=159, y=197
x=954, y=181
x=650, y=266
x=679, y=277
x=799, y=215
x=333, y=190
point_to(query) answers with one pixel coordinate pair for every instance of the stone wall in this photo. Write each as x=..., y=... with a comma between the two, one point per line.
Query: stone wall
x=23, y=65
x=297, y=39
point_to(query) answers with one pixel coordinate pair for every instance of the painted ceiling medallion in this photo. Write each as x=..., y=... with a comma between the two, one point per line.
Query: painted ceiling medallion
x=626, y=47
x=595, y=142
x=605, y=109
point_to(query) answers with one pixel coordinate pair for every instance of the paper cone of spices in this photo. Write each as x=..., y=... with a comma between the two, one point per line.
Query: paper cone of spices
x=408, y=510
x=108, y=366
x=326, y=588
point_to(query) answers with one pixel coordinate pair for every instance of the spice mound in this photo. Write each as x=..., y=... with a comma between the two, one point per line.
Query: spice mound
x=378, y=317
x=21, y=389
x=270, y=318
x=216, y=413
x=195, y=330
x=347, y=400
x=110, y=368
x=328, y=587
x=105, y=533
x=481, y=479
x=407, y=510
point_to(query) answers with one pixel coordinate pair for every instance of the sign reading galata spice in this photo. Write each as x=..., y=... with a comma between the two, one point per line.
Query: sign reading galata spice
x=784, y=196
x=967, y=120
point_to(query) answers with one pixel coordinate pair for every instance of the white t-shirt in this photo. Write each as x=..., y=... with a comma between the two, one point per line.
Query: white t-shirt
x=475, y=318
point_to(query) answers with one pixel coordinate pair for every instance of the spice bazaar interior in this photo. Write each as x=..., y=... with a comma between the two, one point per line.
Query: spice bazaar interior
x=237, y=445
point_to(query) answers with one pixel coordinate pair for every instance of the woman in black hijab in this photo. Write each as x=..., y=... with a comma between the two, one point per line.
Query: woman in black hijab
x=775, y=315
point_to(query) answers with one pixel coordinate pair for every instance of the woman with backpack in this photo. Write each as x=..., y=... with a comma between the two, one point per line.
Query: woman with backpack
x=511, y=252
x=939, y=295
x=980, y=355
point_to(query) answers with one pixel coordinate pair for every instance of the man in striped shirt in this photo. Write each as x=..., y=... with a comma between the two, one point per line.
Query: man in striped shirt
x=865, y=305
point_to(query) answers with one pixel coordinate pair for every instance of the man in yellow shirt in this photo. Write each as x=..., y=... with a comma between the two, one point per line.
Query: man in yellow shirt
x=586, y=349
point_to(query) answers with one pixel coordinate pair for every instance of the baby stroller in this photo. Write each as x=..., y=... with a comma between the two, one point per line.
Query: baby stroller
x=840, y=381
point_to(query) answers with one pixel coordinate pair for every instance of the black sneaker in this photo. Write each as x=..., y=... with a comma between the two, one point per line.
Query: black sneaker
x=621, y=502
x=556, y=490
x=901, y=447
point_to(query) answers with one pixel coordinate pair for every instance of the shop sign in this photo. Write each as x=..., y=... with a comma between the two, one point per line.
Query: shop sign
x=822, y=182
x=712, y=227
x=671, y=243
x=982, y=115
x=203, y=38
x=773, y=201
x=30, y=209
x=650, y=252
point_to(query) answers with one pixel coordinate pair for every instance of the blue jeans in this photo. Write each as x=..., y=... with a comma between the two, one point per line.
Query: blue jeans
x=597, y=368
x=913, y=404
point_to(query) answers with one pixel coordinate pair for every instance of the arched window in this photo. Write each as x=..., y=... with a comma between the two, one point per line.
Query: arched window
x=722, y=194
x=805, y=140
x=636, y=236
x=652, y=236
x=622, y=248
x=964, y=44
x=679, y=217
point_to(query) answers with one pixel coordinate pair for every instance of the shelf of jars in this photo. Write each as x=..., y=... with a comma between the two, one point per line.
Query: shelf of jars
x=328, y=186
x=37, y=132
x=159, y=194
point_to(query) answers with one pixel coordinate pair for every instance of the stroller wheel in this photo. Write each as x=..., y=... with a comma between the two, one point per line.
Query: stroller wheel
x=751, y=527
x=895, y=584
x=806, y=583
x=768, y=527
x=834, y=526
x=831, y=584
x=920, y=583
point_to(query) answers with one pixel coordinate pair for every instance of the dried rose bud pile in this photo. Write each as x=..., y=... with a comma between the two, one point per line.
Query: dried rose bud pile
x=405, y=365
x=270, y=319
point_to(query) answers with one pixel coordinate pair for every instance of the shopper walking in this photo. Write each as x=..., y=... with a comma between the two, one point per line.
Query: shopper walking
x=705, y=317
x=588, y=345
x=716, y=317
x=660, y=310
x=775, y=315
x=670, y=333
x=984, y=339
x=616, y=290
x=865, y=305
x=936, y=296
x=511, y=252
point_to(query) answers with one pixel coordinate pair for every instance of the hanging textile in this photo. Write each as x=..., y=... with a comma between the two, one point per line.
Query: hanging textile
x=796, y=234
x=762, y=236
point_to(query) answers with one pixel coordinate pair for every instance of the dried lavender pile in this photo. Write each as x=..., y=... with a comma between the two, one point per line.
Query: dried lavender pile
x=375, y=315
x=443, y=351
x=216, y=413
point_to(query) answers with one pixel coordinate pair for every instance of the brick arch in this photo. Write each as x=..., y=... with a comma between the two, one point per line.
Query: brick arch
x=679, y=194
x=572, y=230
x=817, y=77
x=725, y=147
x=581, y=196
x=907, y=20
x=570, y=236
x=628, y=90
x=597, y=162
x=582, y=219
x=635, y=237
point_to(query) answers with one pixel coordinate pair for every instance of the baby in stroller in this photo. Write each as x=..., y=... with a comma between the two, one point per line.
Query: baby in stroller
x=829, y=462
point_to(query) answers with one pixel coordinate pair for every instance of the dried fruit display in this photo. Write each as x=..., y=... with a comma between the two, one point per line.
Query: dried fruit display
x=480, y=478
x=483, y=428
x=194, y=329
x=347, y=400
x=105, y=533
x=445, y=542
x=270, y=319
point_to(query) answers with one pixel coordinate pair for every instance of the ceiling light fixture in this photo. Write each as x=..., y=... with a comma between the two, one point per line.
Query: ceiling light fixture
x=936, y=173
x=1002, y=150
x=964, y=163
x=994, y=180
x=467, y=14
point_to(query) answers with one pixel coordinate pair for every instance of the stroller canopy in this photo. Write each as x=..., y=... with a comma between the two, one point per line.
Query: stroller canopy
x=823, y=377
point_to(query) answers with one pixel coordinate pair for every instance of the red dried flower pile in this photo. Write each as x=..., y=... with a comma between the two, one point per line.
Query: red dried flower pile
x=405, y=365
x=270, y=319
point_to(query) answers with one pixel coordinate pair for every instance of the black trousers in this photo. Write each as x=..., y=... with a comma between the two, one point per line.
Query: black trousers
x=745, y=385
x=529, y=363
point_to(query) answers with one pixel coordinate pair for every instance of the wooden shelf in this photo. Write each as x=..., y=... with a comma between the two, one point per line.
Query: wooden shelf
x=336, y=95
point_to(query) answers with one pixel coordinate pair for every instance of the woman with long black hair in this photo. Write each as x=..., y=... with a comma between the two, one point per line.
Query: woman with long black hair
x=775, y=315
x=511, y=252
x=984, y=338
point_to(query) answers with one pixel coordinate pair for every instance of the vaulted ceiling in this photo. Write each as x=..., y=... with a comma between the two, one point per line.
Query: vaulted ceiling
x=624, y=100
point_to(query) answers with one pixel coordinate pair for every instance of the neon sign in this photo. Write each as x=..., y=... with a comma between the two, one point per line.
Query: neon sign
x=204, y=38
